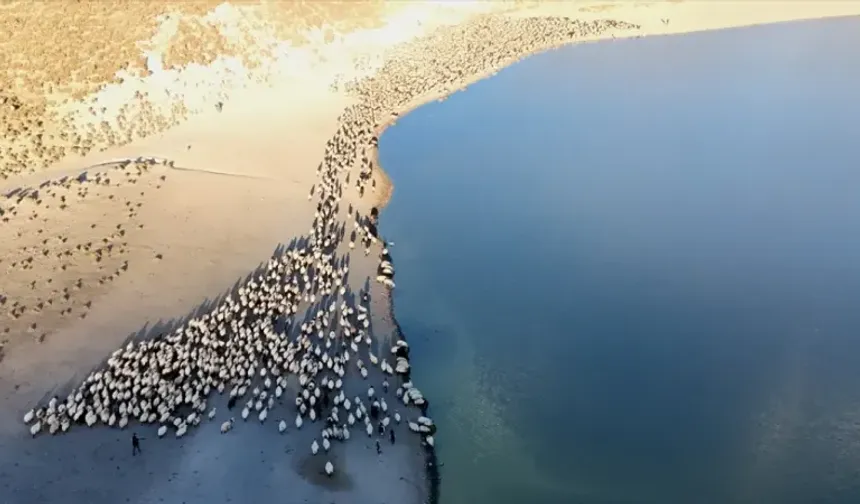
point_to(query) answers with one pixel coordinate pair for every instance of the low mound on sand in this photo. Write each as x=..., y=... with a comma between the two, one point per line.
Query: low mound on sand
x=149, y=164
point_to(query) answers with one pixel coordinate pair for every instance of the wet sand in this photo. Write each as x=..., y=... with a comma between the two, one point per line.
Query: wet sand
x=234, y=143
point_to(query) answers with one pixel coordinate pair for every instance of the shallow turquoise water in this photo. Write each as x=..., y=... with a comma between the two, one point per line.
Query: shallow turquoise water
x=630, y=271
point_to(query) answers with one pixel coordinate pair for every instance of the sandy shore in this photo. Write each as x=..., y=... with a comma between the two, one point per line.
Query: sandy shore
x=235, y=140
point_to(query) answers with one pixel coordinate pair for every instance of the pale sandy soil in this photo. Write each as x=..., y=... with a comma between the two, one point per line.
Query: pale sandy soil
x=87, y=264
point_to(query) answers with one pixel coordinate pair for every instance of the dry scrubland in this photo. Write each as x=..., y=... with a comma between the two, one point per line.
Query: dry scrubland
x=154, y=153
x=56, y=53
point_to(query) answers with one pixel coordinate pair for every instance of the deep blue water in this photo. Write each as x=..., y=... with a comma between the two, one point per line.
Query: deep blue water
x=630, y=270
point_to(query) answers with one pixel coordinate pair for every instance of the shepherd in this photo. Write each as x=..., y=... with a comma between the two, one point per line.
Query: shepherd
x=135, y=444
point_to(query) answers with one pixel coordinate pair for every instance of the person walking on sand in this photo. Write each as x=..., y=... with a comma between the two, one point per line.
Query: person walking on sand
x=135, y=444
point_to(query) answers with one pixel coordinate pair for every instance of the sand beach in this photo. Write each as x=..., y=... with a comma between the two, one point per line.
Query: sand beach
x=156, y=155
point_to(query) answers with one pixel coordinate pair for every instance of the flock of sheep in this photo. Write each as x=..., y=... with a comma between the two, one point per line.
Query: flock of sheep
x=254, y=347
x=236, y=350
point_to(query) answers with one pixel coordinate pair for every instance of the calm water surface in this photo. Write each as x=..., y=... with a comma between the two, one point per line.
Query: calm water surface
x=630, y=271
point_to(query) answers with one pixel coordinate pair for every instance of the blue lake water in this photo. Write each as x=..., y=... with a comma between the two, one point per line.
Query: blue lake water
x=630, y=270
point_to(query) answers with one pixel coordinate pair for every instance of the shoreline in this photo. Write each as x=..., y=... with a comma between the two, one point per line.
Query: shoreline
x=538, y=10
x=442, y=94
x=385, y=189
x=298, y=180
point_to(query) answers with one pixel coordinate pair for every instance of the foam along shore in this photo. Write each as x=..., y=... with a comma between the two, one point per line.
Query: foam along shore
x=235, y=184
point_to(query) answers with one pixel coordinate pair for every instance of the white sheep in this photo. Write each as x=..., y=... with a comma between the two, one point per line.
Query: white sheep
x=226, y=426
x=329, y=468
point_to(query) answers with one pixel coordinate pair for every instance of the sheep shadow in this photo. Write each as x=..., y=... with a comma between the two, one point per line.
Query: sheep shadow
x=32, y=191
x=153, y=331
x=162, y=328
x=312, y=469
